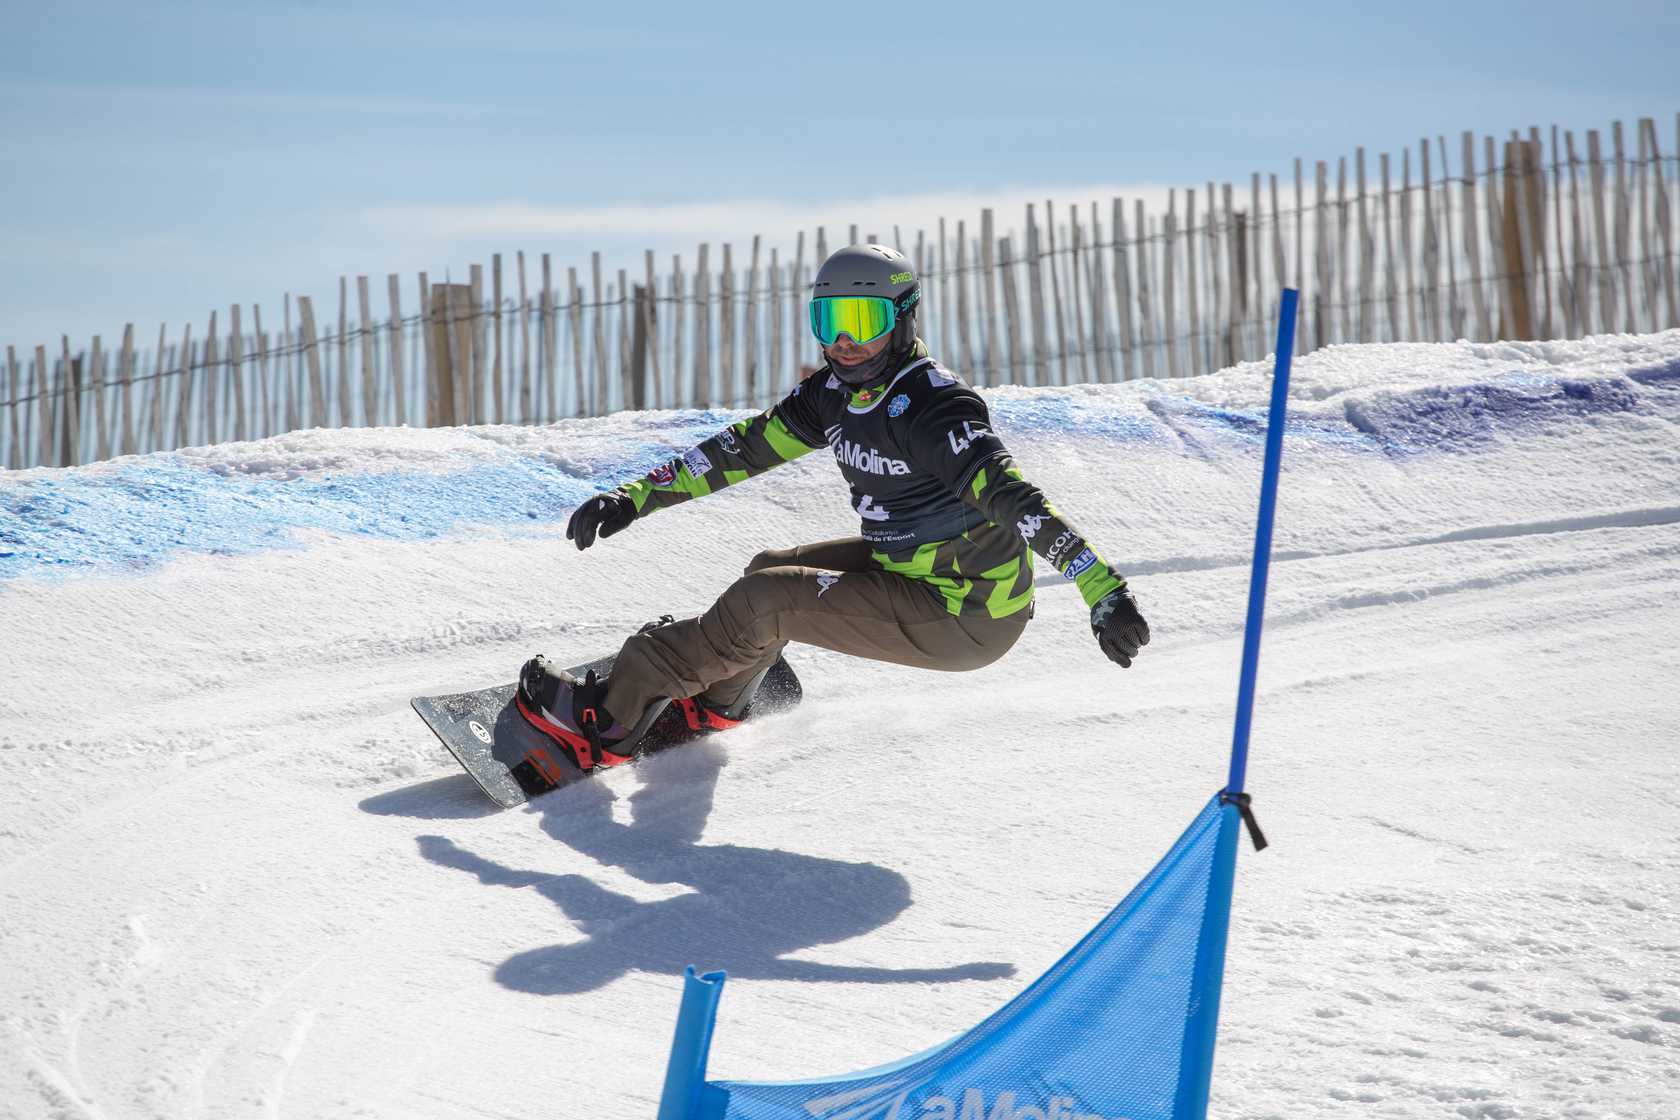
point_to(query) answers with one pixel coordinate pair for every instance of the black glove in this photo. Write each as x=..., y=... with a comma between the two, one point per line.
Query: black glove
x=1119, y=629
x=604, y=513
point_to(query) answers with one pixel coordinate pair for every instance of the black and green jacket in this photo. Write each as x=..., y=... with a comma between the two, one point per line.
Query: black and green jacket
x=938, y=495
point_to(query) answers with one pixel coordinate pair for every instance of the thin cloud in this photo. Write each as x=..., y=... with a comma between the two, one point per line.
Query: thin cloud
x=738, y=219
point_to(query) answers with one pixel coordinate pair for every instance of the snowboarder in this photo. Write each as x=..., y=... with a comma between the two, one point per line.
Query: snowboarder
x=939, y=577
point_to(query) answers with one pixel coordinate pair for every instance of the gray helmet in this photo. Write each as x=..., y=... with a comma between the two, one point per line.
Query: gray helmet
x=873, y=270
x=869, y=270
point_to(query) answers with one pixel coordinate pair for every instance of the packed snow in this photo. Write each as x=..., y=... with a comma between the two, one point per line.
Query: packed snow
x=239, y=878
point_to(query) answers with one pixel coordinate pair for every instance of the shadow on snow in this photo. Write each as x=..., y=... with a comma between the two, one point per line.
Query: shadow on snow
x=747, y=910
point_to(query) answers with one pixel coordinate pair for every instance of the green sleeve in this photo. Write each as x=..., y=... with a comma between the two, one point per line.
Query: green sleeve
x=999, y=492
x=751, y=446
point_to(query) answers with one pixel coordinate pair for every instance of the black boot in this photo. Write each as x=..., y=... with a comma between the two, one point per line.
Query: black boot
x=570, y=711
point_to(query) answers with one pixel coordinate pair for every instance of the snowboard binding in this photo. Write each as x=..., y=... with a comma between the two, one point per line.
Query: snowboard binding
x=570, y=712
x=701, y=716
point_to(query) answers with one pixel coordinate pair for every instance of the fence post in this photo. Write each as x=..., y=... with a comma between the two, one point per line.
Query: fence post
x=774, y=305
x=651, y=321
x=43, y=396
x=726, y=328
x=600, y=392
x=96, y=384
x=1225, y=256
x=574, y=322
x=1473, y=240
x=1076, y=299
x=1343, y=321
x=125, y=373
x=964, y=331
x=1521, y=195
x=341, y=355
x=1123, y=290
x=679, y=300
x=988, y=291
x=1647, y=262
x=1011, y=313
x=1431, y=246
x=478, y=407
x=1196, y=335
x=636, y=397
x=364, y=349
x=1605, y=270
x=799, y=330
x=1169, y=288
x=262, y=367
x=317, y=417
x=1536, y=215
x=399, y=366
x=1455, y=324
x=1035, y=301
x=447, y=367
x=428, y=404
x=1239, y=276
x=1098, y=288
x=1146, y=313
x=749, y=330
x=212, y=366
x=1665, y=228
x=529, y=405
x=156, y=396
x=236, y=369
x=14, y=448
x=550, y=328
x=1622, y=228
x=702, y=330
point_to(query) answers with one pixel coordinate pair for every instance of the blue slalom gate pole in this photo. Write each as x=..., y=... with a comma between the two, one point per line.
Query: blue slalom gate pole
x=1275, y=416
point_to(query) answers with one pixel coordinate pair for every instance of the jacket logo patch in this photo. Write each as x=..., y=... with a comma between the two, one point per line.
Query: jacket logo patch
x=897, y=406
x=1080, y=565
x=1029, y=526
x=1059, y=545
x=867, y=459
x=696, y=462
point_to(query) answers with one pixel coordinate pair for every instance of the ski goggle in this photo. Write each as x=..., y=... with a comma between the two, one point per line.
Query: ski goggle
x=861, y=318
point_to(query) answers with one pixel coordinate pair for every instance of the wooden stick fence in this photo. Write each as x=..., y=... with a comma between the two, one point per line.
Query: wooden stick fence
x=1512, y=245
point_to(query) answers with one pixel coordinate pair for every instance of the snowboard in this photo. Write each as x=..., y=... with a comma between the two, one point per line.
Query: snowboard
x=513, y=762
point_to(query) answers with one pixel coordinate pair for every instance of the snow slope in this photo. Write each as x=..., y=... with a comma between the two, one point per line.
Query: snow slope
x=238, y=878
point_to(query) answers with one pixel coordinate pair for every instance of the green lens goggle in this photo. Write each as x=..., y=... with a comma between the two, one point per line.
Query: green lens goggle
x=861, y=318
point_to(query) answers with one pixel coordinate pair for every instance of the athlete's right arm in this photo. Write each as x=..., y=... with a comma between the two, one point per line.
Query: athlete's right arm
x=752, y=446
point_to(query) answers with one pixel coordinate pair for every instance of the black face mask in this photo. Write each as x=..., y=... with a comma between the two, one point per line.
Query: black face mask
x=868, y=372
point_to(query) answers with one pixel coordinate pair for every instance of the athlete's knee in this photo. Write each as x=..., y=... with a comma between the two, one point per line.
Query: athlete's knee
x=756, y=608
x=769, y=558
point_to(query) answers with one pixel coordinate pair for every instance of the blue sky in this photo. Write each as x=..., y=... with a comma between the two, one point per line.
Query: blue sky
x=166, y=158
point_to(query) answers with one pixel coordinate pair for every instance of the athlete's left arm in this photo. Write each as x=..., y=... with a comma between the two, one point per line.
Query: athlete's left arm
x=955, y=439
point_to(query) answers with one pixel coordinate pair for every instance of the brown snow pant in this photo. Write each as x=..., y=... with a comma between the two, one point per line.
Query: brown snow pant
x=820, y=594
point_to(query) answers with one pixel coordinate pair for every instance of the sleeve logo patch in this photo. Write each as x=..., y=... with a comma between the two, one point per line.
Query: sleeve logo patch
x=696, y=462
x=1080, y=564
x=663, y=475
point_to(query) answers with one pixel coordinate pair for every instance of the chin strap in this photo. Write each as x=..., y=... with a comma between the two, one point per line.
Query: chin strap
x=893, y=358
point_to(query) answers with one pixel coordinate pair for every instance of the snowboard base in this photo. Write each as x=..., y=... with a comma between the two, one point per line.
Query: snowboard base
x=513, y=762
